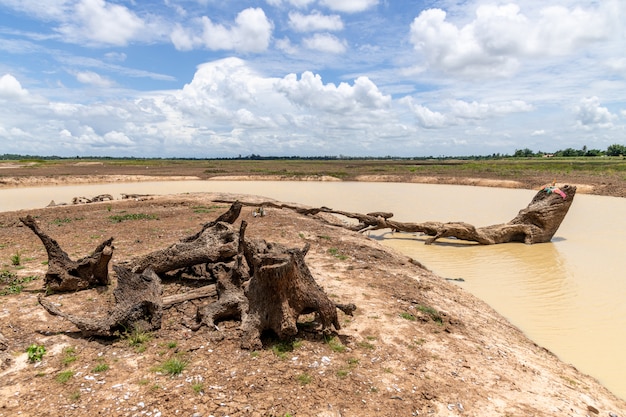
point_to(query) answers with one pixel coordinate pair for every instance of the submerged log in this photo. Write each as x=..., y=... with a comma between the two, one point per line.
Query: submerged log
x=138, y=306
x=65, y=274
x=537, y=223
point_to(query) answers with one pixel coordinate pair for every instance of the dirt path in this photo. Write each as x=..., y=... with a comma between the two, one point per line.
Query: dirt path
x=417, y=345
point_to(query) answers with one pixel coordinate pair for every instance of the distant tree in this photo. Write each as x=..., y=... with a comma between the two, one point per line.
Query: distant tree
x=523, y=153
x=616, y=150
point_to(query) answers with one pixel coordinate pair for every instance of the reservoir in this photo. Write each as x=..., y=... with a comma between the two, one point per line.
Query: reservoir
x=566, y=295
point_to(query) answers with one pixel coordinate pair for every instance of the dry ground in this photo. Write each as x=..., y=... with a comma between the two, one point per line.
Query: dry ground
x=417, y=345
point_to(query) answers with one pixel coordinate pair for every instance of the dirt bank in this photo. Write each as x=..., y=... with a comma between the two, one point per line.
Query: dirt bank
x=417, y=345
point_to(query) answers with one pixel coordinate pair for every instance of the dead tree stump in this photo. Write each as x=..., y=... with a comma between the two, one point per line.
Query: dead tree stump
x=65, y=274
x=281, y=289
x=138, y=305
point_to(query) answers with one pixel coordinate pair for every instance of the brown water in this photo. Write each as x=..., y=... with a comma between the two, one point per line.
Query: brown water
x=567, y=295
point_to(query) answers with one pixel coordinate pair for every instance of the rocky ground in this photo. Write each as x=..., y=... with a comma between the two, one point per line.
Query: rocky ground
x=417, y=344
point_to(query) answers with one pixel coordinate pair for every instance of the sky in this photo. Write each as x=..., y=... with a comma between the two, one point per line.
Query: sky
x=217, y=78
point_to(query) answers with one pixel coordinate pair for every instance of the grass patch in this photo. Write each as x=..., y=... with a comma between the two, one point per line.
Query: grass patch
x=69, y=356
x=335, y=252
x=118, y=218
x=408, y=316
x=101, y=367
x=12, y=283
x=197, y=387
x=63, y=377
x=16, y=259
x=281, y=348
x=304, y=379
x=173, y=366
x=431, y=312
x=335, y=344
x=138, y=339
x=59, y=222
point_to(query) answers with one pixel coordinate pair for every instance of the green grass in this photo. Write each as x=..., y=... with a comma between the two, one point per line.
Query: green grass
x=335, y=252
x=335, y=344
x=434, y=314
x=118, y=218
x=16, y=259
x=101, y=367
x=64, y=376
x=407, y=316
x=304, y=379
x=138, y=338
x=173, y=366
x=12, y=283
x=197, y=387
x=69, y=356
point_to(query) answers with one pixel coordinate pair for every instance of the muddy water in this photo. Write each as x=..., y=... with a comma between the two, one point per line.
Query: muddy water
x=567, y=295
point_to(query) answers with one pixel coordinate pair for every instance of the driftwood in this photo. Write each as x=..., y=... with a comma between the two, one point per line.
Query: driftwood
x=537, y=223
x=98, y=198
x=266, y=286
x=65, y=274
x=138, y=305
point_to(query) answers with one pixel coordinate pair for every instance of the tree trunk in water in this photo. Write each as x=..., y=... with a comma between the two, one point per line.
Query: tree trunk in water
x=65, y=274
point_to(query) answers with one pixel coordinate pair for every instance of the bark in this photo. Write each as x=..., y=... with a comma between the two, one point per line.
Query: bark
x=537, y=223
x=64, y=274
x=281, y=289
x=202, y=292
x=138, y=305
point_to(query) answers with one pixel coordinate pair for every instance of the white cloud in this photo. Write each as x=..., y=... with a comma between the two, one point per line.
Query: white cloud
x=296, y=3
x=92, y=78
x=251, y=32
x=99, y=22
x=11, y=89
x=474, y=110
x=115, y=56
x=500, y=36
x=425, y=117
x=539, y=132
x=590, y=114
x=310, y=92
x=314, y=22
x=349, y=6
x=325, y=42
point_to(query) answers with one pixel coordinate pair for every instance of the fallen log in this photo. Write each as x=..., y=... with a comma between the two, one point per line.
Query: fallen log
x=537, y=223
x=63, y=273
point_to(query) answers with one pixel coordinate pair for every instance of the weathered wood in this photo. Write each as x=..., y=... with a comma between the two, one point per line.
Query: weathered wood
x=138, y=305
x=281, y=289
x=195, y=294
x=63, y=273
x=537, y=223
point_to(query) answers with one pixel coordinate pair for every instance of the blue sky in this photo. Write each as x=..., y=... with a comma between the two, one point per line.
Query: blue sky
x=214, y=78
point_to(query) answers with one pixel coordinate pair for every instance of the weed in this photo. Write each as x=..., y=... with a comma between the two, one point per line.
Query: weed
x=143, y=382
x=304, y=378
x=118, y=218
x=69, y=356
x=63, y=377
x=325, y=237
x=434, y=314
x=353, y=361
x=172, y=345
x=35, y=352
x=254, y=354
x=109, y=207
x=335, y=344
x=173, y=366
x=16, y=259
x=342, y=373
x=59, y=222
x=280, y=349
x=138, y=338
x=75, y=396
x=366, y=345
x=335, y=252
x=101, y=367
x=197, y=387
x=408, y=316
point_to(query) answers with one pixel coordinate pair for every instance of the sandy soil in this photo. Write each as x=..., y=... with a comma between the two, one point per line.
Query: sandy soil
x=417, y=345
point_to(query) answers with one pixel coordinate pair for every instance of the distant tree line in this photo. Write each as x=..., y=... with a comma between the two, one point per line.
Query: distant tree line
x=612, y=150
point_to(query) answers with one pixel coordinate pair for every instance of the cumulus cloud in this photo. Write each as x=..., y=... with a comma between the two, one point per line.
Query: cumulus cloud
x=309, y=91
x=590, y=114
x=100, y=22
x=349, y=6
x=11, y=89
x=251, y=32
x=296, y=3
x=314, y=22
x=499, y=36
x=325, y=42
